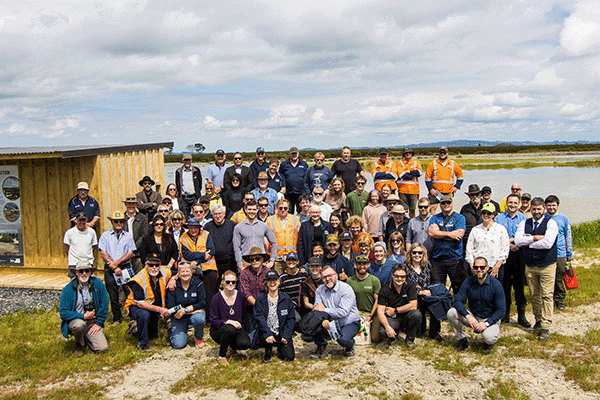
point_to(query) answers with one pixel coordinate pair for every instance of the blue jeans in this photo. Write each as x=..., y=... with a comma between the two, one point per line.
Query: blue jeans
x=179, y=328
x=347, y=333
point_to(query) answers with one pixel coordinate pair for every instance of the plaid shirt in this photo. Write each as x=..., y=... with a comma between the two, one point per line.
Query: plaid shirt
x=251, y=283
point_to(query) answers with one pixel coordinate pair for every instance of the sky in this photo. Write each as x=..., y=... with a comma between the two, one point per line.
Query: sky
x=322, y=74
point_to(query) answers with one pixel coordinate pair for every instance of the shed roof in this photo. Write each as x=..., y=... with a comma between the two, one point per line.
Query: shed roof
x=76, y=151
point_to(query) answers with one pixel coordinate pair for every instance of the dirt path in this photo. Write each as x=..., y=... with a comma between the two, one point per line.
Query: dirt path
x=394, y=371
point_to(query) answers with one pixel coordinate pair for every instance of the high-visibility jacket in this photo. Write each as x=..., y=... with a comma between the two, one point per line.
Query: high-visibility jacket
x=198, y=247
x=238, y=216
x=443, y=177
x=408, y=186
x=142, y=278
x=287, y=238
x=387, y=168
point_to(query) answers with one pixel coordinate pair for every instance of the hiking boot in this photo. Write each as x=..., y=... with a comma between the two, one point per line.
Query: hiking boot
x=267, y=357
x=536, y=328
x=321, y=351
x=222, y=361
x=199, y=343
x=437, y=337
x=560, y=305
x=410, y=343
x=349, y=352
x=462, y=344
x=544, y=335
x=78, y=352
x=132, y=328
x=487, y=348
x=521, y=319
x=143, y=347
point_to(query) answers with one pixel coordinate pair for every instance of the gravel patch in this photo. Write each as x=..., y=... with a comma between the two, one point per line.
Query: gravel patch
x=13, y=300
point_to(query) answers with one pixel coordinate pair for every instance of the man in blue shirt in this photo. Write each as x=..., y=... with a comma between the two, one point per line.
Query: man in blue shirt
x=84, y=203
x=338, y=300
x=317, y=175
x=262, y=190
x=514, y=268
x=447, y=230
x=293, y=170
x=564, y=249
x=486, y=307
x=116, y=249
x=216, y=171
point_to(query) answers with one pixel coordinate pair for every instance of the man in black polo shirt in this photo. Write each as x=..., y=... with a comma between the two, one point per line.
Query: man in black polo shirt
x=397, y=307
x=221, y=231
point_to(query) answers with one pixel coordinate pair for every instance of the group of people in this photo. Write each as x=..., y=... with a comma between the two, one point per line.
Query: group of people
x=273, y=249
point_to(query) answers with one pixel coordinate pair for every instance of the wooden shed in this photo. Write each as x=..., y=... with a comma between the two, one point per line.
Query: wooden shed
x=48, y=179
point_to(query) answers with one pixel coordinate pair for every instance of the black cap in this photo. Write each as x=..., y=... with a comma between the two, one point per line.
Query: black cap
x=153, y=257
x=383, y=151
x=315, y=261
x=220, y=152
x=81, y=215
x=272, y=275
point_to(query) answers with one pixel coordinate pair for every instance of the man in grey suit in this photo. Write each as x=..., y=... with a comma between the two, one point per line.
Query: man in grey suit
x=137, y=225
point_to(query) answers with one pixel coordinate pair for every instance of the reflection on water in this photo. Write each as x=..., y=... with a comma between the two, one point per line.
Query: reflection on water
x=577, y=188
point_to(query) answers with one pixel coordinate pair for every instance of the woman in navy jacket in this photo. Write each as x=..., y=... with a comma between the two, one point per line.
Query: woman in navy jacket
x=275, y=318
x=315, y=230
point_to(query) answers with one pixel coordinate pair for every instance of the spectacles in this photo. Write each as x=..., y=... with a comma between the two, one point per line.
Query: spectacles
x=153, y=265
x=85, y=271
x=197, y=211
x=399, y=276
x=177, y=219
x=328, y=276
x=172, y=189
x=283, y=208
x=231, y=282
x=423, y=207
x=481, y=267
x=254, y=259
x=159, y=224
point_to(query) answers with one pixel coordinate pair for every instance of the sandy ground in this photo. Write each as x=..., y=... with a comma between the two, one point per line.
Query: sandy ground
x=395, y=371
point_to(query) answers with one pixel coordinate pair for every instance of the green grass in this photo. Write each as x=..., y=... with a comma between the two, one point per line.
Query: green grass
x=77, y=393
x=506, y=390
x=586, y=234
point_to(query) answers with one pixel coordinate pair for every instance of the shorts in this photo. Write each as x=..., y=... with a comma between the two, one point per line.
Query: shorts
x=410, y=200
x=434, y=200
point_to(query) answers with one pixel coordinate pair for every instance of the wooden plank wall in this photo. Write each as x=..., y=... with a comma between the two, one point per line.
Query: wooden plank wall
x=47, y=185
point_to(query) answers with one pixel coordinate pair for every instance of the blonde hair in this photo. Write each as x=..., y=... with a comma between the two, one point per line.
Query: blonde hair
x=355, y=219
x=414, y=246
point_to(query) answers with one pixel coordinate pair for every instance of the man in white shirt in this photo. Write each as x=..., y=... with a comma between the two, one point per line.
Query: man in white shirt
x=79, y=242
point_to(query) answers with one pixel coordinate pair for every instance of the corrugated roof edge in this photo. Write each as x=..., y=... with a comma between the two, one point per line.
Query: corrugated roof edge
x=81, y=151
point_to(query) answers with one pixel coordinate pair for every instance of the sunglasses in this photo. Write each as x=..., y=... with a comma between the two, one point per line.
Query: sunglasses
x=235, y=180
x=481, y=267
x=163, y=211
x=159, y=224
x=445, y=202
x=360, y=183
x=263, y=205
x=118, y=222
x=172, y=189
x=423, y=207
x=396, y=241
x=416, y=252
x=283, y=208
x=204, y=202
x=517, y=189
x=317, y=194
x=253, y=259
x=442, y=152
x=177, y=219
x=237, y=158
x=147, y=183
x=230, y=282
x=486, y=192
x=153, y=265
x=319, y=159
x=85, y=271
x=486, y=213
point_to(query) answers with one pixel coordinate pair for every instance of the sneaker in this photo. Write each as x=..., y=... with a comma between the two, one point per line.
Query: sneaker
x=199, y=343
x=349, y=352
x=560, y=305
x=267, y=357
x=132, y=328
x=544, y=335
x=78, y=352
x=143, y=347
x=462, y=344
x=536, y=328
x=487, y=348
x=410, y=343
x=437, y=337
x=321, y=351
x=222, y=361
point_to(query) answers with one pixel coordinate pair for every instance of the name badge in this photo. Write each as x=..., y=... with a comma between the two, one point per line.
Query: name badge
x=284, y=312
x=194, y=294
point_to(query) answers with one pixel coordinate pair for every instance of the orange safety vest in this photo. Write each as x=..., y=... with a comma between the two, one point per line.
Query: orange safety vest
x=287, y=239
x=443, y=176
x=355, y=242
x=410, y=186
x=238, y=216
x=200, y=247
x=387, y=168
x=142, y=278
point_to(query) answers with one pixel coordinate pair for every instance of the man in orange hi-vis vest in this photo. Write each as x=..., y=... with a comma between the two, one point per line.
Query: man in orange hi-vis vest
x=409, y=170
x=285, y=226
x=443, y=177
x=383, y=171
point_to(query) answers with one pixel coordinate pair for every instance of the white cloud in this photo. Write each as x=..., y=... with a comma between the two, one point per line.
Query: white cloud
x=581, y=32
x=213, y=123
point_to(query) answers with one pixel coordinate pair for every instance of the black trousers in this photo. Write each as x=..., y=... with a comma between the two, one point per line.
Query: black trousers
x=455, y=269
x=286, y=351
x=113, y=293
x=227, y=336
x=408, y=322
x=210, y=279
x=294, y=202
x=514, y=277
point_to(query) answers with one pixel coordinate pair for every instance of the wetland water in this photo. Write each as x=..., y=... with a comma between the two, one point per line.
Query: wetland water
x=577, y=188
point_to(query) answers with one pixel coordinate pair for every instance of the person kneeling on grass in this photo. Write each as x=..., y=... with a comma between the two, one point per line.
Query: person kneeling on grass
x=486, y=307
x=274, y=313
x=83, y=309
x=146, y=301
x=190, y=299
x=397, y=307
